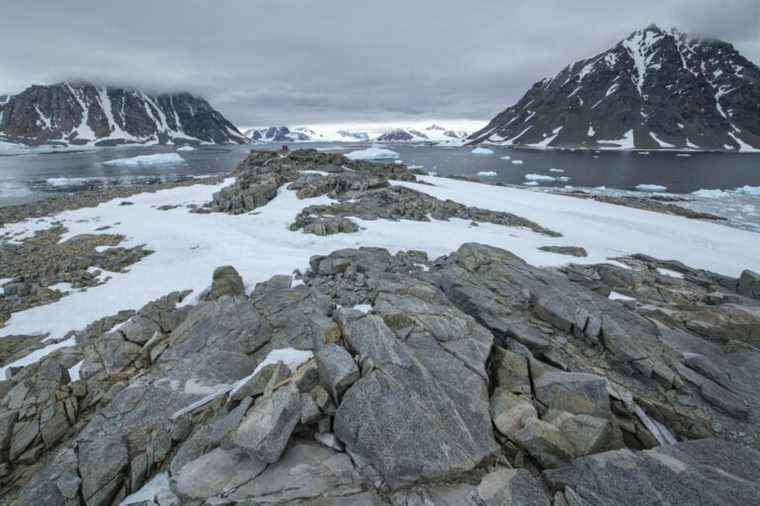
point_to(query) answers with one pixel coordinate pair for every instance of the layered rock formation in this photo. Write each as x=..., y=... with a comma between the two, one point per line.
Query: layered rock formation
x=655, y=89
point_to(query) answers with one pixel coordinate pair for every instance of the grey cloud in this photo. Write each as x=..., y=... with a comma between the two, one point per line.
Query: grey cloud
x=299, y=61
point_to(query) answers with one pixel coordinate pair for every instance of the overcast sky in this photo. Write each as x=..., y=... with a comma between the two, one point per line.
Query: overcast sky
x=264, y=62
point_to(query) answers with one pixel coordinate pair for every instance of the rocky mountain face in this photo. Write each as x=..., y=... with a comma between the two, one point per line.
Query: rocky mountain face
x=384, y=379
x=83, y=114
x=656, y=89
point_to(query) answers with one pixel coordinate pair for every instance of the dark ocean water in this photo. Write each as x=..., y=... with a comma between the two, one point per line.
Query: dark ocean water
x=28, y=177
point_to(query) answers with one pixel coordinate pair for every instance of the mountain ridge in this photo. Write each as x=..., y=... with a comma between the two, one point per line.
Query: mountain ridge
x=656, y=89
x=80, y=113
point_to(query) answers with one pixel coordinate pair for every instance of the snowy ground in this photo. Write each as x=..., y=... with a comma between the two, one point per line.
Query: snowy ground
x=189, y=246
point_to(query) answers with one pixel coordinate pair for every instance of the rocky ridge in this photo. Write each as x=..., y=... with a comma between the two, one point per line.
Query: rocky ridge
x=396, y=379
x=77, y=114
x=363, y=190
x=656, y=89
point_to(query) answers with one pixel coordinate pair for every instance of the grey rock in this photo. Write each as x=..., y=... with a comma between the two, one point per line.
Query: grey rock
x=226, y=281
x=7, y=419
x=704, y=472
x=749, y=284
x=510, y=412
x=512, y=487
x=216, y=472
x=510, y=371
x=256, y=384
x=574, y=251
x=102, y=463
x=337, y=370
x=545, y=443
x=307, y=471
x=391, y=416
x=587, y=434
x=267, y=427
x=577, y=393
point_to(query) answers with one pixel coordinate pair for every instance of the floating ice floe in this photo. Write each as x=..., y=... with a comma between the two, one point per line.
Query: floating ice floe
x=487, y=173
x=138, y=161
x=539, y=177
x=374, y=153
x=651, y=188
x=505, y=157
x=186, y=147
x=559, y=171
x=482, y=151
x=517, y=162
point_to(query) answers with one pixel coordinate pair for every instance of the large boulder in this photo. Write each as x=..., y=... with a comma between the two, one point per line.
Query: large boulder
x=337, y=370
x=226, y=281
x=749, y=284
x=267, y=427
x=423, y=411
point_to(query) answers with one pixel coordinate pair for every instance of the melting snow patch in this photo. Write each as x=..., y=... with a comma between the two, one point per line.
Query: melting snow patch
x=487, y=173
x=619, y=296
x=374, y=153
x=482, y=151
x=668, y=272
x=651, y=188
x=138, y=161
x=74, y=372
x=364, y=308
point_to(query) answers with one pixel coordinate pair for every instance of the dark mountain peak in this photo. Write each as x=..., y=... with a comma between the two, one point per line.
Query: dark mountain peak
x=656, y=89
x=81, y=113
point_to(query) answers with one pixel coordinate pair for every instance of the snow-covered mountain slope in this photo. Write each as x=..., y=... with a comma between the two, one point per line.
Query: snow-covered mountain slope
x=275, y=134
x=654, y=90
x=82, y=114
x=281, y=134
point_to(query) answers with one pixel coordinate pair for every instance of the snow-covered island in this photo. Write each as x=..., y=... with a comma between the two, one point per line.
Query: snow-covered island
x=256, y=338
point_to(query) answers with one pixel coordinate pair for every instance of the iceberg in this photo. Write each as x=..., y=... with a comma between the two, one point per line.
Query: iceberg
x=651, y=188
x=374, y=153
x=186, y=147
x=142, y=160
x=487, y=173
x=482, y=151
x=539, y=177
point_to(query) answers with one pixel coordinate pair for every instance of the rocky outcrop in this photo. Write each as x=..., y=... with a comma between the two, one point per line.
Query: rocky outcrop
x=386, y=379
x=71, y=113
x=44, y=268
x=363, y=190
x=656, y=89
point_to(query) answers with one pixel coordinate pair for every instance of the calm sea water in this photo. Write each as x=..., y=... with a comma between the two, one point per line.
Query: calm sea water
x=28, y=177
